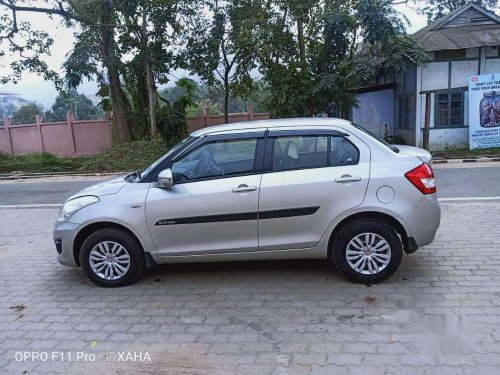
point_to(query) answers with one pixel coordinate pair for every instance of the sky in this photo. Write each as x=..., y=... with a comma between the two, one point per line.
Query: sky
x=33, y=88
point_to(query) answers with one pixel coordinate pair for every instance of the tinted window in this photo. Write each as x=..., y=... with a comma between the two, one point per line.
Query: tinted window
x=343, y=152
x=300, y=152
x=216, y=159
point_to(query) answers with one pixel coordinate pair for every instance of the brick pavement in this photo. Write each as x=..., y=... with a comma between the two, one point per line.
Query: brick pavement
x=440, y=314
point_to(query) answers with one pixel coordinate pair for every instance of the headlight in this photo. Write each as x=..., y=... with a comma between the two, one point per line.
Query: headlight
x=70, y=207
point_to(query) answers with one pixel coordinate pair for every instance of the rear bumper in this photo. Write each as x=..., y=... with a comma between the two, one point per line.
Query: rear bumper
x=64, y=234
x=423, y=222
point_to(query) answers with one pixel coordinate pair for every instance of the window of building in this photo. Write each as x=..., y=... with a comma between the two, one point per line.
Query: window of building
x=449, y=109
x=450, y=55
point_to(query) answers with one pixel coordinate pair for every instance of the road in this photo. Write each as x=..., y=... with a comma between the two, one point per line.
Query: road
x=453, y=182
x=439, y=314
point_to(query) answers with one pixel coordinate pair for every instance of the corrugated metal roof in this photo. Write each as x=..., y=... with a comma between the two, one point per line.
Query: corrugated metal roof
x=448, y=32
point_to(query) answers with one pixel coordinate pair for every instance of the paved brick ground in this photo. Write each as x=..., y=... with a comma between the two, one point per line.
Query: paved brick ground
x=439, y=315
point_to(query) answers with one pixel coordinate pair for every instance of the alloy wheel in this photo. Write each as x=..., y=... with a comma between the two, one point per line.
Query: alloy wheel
x=109, y=260
x=368, y=253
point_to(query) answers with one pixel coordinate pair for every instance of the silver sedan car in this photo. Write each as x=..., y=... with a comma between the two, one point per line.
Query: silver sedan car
x=276, y=189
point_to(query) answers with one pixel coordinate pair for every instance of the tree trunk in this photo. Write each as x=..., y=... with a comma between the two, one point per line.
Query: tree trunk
x=226, y=98
x=149, y=77
x=151, y=100
x=302, y=46
x=110, y=62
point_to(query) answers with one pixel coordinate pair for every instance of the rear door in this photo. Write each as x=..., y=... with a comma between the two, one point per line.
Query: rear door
x=310, y=177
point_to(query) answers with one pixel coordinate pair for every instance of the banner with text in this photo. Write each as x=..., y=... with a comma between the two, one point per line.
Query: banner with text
x=484, y=111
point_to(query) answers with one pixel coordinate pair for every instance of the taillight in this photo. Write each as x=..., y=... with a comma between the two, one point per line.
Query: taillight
x=423, y=179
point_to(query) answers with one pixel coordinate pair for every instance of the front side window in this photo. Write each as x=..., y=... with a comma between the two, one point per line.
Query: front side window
x=216, y=159
x=300, y=152
x=449, y=109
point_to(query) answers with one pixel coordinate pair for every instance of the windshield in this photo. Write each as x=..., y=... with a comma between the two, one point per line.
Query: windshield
x=388, y=145
x=174, y=149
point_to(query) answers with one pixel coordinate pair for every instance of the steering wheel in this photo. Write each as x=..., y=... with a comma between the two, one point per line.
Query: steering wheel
x=180, y=176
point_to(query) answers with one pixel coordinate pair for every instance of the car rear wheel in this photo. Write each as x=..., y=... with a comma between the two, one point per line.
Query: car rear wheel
x=111, y=257
x=367, y=251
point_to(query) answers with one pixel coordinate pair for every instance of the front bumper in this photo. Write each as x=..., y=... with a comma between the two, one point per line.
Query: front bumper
x=64, y=236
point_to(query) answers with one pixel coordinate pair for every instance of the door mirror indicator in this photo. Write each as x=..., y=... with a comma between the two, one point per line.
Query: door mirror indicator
x=166, y=179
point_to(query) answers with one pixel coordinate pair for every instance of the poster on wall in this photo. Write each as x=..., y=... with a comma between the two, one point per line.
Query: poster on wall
x=484, y=111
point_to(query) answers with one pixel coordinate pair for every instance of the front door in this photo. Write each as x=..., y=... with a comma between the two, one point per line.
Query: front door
x=314, y=177
x=212, y=207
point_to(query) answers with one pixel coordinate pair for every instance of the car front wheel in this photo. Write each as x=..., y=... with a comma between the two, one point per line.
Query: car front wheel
x=111, y=257
x=367, y=251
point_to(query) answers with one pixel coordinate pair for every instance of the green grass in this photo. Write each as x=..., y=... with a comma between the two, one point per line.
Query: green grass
x=464, y=153
x=125, y=157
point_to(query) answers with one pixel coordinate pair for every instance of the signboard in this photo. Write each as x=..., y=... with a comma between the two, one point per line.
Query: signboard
x=484, y=111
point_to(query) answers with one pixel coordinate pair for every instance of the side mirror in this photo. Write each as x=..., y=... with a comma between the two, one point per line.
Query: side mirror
x=166, y=179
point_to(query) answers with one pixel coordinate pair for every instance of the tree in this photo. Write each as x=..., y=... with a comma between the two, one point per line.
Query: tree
x=219, y=47
x=19, y=39
x=148, y=31
x=172, y=122
x=314, y=63
x=26, y=114
x=144, y=33
x=79, y=104
x=434, y=9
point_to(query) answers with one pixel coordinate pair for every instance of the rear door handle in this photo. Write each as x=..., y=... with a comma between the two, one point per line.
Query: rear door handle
x=346, y=178
x=244, y=188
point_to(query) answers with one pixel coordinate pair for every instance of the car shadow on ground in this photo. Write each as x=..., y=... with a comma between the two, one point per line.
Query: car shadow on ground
x=253, y=268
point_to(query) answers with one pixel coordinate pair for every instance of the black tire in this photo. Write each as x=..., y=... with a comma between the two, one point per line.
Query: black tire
x=355, y=228
x=129, y=243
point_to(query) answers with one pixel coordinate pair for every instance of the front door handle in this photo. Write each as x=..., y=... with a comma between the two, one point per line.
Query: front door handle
x=347, y=178
x=244, y=188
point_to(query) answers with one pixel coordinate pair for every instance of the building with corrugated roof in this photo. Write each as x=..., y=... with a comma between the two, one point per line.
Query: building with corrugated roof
x=462, y=44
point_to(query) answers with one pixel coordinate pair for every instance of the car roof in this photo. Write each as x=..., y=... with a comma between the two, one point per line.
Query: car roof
x=264, y=124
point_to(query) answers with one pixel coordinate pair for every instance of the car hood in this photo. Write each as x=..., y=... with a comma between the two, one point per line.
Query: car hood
x=109, y=187
x=422, y=154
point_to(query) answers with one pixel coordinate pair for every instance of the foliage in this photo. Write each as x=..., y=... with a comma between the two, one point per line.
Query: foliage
x=220, y=46
x=81, y=106
x=125, y=157
x=462, y=153
x=171, y=115
x=344, y=45
x=36, y=162
x=434, y=9
x=18, y=38
x=26, y=114
x=130, y=156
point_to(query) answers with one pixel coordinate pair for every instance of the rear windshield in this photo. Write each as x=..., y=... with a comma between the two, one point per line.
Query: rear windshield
x=376, y=137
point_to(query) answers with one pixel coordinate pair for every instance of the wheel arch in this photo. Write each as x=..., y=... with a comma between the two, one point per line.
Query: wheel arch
x=87, y=230
x=377, y=215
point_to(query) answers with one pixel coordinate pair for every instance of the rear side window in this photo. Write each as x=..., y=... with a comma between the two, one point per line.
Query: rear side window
x=301, y=152
x=342, y=152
